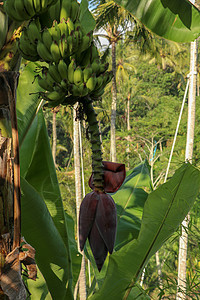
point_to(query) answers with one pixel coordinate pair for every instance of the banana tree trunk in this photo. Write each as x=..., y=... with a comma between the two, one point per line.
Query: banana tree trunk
x=113, y=107
x=10, y=211
x=81, y=284
x=183, y=241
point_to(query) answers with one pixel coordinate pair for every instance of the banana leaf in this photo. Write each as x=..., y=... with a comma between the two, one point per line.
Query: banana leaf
x=39, y=179
x=86, y=18
x=130, y=200
x=51, y=254
x=176, y=20
x=164, y=210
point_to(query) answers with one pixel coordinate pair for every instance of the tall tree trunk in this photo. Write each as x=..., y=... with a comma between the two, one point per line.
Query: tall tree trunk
x=82, y=278
x=54, y=136
x=113, y=107
x=159, y=270
x=183, y=241
x=128, y=128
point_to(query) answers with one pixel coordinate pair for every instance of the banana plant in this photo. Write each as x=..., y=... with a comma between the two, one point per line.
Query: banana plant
x=146, y=218
x=44, y=222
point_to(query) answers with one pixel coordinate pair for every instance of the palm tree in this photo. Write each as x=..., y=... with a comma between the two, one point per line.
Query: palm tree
x=115, y=21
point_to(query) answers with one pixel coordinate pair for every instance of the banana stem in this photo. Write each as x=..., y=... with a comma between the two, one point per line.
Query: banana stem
x=97, y=166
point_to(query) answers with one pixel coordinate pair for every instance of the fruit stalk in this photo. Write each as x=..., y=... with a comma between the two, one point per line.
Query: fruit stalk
x=97, y=165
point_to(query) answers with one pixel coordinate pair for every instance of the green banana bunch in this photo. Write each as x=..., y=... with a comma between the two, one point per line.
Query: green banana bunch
x=22, y=10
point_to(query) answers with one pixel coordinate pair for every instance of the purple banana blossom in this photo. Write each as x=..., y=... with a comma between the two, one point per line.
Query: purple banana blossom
x=98, y=215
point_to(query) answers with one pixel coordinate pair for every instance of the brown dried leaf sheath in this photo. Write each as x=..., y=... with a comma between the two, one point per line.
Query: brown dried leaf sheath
x=11, y=281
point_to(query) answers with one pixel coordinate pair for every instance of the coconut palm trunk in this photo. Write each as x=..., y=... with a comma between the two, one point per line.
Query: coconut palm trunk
x=113, y=107
x=183, y=241
x=81, y=284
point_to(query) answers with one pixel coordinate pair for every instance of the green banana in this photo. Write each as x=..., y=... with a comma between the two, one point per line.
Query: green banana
x=51, y=104
x=83, y=90
x=63, y=27
x=37, y=6
x=79, y=91
x=25, y=52
x=20, y=10
x=43, y=52
x=55, y=32
x=70, y=71
x=74, y=90
x=79, y=34
x=87, y=73
x=91, y=83
x=47, y=38
x=26, y=47
x=76, y=38
x=107, y=77
x=70, y=43
x=84, y=58
x=43, y=5
x=75, y=10
x=43, y=84
x=54, y=10
x=94, y=52
x=55, y=52
x=97, y=94
x=53, y=71
x=77, y=24
x=46, y=76
x=99, y=83
x=103, y=67
x=62, y=69
x=78, y=76
x=28, y=5
x=10, y=10
x=64, y=84
x=33, y=32
x=70, y=25
x=86, y=42
x=95, y=66
x=65, y=11
x=61, y=45
x=54, y=96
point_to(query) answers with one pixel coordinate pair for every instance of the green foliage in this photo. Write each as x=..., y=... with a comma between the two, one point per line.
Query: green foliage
x=130, y=200
x=177, y=20
x=160, y=220
x=44, y=223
